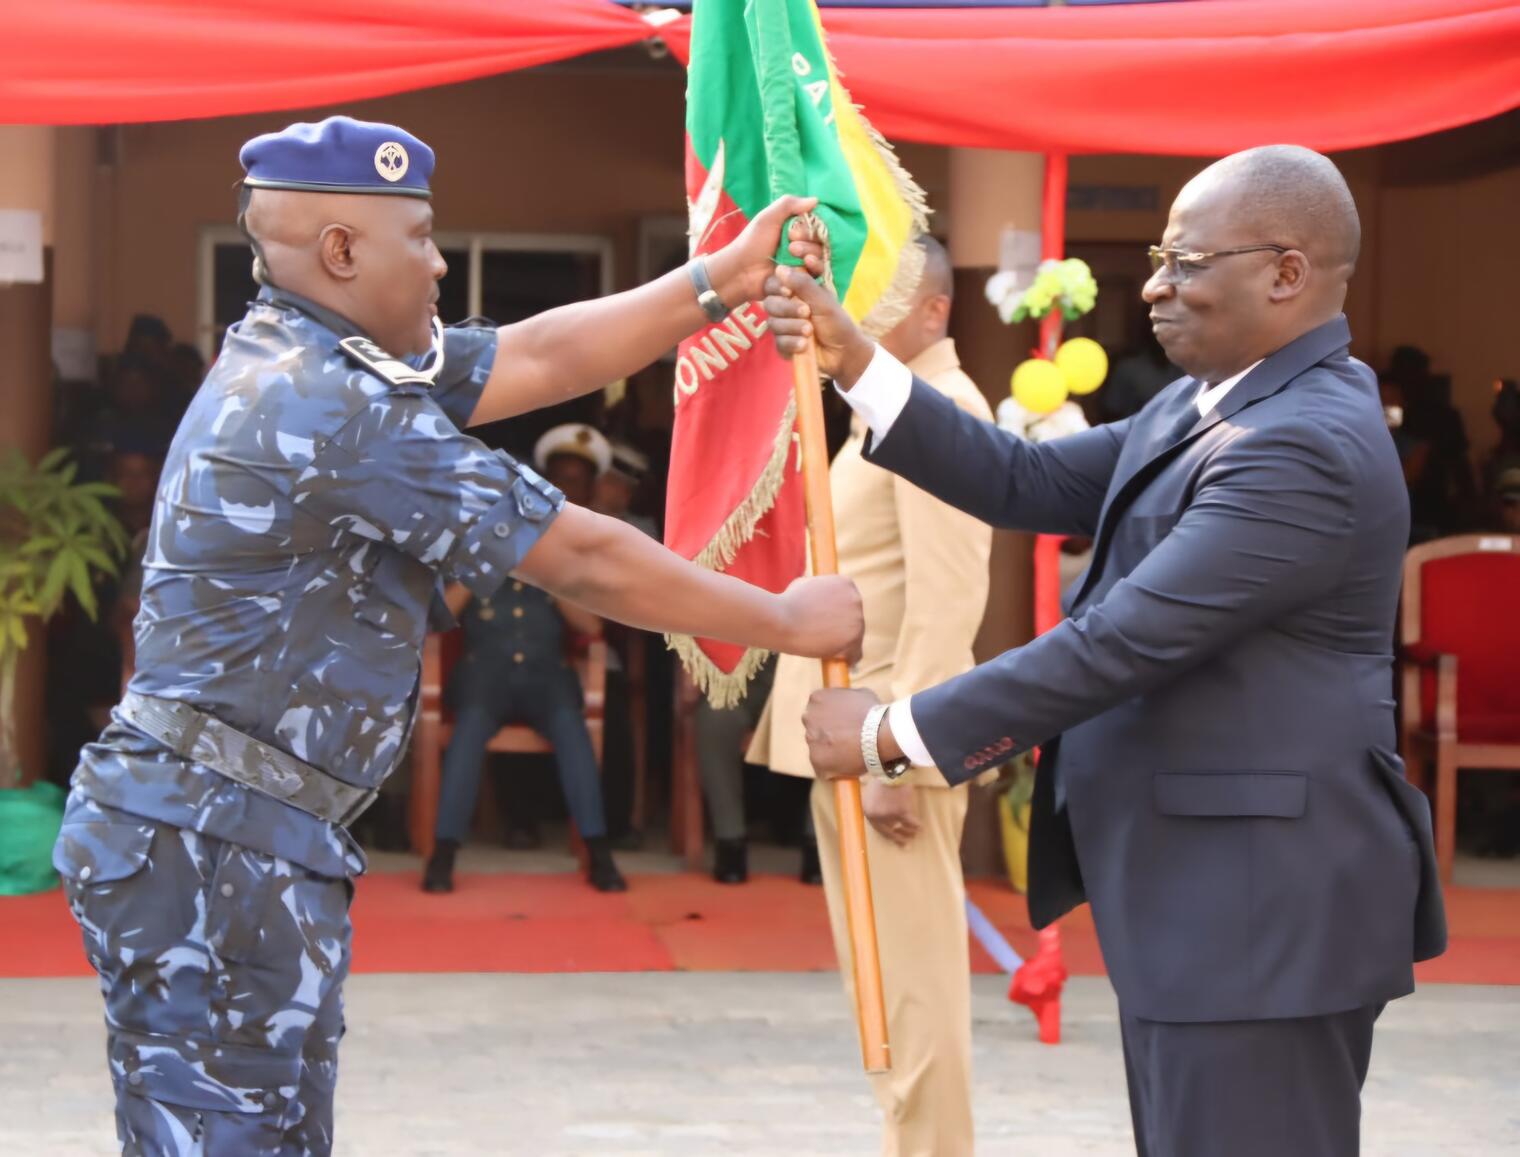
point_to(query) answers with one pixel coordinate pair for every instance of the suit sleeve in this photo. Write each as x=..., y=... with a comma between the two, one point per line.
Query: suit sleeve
x=945, y=561
x=1268, y=530
x=1054, y=487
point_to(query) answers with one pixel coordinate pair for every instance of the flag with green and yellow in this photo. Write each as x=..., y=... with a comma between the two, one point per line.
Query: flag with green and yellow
x=767, y=115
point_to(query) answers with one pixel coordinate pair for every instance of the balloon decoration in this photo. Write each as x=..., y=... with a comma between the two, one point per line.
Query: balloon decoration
x=1039, y=386
x=1079, y=367
x=1083, y=364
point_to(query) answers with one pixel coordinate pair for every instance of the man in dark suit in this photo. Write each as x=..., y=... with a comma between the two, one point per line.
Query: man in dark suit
x=1219, y=776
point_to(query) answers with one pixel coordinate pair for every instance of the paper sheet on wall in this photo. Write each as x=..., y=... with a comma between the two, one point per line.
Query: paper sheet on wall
x=20, y=246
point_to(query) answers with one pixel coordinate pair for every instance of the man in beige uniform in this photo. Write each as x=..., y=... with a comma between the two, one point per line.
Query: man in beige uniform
x=921, y=567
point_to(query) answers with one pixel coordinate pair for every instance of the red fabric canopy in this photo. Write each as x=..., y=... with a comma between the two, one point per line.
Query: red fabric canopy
x=112, y=61
x=1204, y=77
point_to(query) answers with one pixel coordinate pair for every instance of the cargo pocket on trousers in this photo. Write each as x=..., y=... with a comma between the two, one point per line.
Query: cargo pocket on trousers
x=93, y=853
x=95, y=860
x=203, y=1075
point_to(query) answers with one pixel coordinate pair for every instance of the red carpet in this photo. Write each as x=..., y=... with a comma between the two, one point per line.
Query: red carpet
x=555, y=923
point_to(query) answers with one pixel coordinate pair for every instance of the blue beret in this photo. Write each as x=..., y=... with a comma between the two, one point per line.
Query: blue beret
x=339, y=155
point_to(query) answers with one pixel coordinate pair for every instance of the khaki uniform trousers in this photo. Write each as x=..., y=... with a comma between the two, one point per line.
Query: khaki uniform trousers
x=920, y=899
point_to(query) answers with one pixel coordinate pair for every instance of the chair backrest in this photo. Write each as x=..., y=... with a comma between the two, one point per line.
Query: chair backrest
x=1462, y=598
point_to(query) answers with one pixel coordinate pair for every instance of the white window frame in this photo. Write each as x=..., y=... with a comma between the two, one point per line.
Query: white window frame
x=205, y=287
x=478, y=244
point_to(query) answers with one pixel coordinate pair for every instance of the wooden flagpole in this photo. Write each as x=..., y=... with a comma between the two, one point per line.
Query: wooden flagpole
x=865, y=959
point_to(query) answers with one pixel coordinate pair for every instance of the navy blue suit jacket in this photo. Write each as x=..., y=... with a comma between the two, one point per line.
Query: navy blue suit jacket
x=1219, y=774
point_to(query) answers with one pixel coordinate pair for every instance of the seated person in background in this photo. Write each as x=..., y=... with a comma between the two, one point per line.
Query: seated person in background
x=514, y=670
x=132, y=419
x=1505, y=502
x=1442, y=496
x=1506, y=454
x=149, y=342
x=1413, y=452
x=186, y=371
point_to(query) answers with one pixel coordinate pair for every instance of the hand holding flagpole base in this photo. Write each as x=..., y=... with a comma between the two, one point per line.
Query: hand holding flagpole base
x=865, y=959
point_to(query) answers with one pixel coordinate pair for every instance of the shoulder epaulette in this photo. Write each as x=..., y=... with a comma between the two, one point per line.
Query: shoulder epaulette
x=383, y=365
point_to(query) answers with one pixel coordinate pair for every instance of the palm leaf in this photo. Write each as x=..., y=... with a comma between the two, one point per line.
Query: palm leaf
x=79, y=583
x=52, y=460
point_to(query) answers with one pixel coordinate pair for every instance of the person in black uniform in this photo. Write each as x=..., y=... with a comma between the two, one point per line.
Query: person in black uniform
x=514, y=670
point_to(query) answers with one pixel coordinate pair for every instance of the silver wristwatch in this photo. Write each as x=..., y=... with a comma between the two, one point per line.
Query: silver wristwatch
x=883, y=773
x=707, y=297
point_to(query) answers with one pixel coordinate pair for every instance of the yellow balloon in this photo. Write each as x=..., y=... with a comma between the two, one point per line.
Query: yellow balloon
x=1039, y=386
x=1083, y=363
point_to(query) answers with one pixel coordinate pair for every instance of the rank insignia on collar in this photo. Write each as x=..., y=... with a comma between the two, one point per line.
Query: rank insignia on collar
x=391, y=368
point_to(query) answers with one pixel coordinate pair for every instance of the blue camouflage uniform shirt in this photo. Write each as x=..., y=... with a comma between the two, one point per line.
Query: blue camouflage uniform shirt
x=310, y=504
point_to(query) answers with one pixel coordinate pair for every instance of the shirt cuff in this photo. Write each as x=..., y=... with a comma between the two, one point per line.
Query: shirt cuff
x=905, y=731
x=505, y=533
x=880, y=393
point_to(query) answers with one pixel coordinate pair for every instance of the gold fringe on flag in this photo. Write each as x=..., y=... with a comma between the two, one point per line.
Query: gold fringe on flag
x=728, y=688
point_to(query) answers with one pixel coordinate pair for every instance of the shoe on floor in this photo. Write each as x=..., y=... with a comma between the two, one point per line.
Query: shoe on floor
x=812, y=867
x=438, y=876
x=731, y=862
x=601, y=872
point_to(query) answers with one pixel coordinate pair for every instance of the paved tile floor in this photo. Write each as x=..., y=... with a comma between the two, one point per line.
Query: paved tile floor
x=710, y=1064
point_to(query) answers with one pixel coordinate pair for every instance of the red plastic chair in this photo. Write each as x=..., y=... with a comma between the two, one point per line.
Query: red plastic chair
x=1460, y=667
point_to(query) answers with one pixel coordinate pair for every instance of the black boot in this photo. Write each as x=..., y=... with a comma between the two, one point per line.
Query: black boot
x=601, y=872
x=812, y=869
x=438, y=876
x=731, y=862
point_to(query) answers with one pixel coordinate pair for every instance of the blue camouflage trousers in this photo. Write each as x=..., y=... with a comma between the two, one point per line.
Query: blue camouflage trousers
x=222, y=970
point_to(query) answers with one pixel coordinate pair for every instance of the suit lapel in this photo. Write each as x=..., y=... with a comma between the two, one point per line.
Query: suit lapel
x=1177, y=422
x=1277, y=371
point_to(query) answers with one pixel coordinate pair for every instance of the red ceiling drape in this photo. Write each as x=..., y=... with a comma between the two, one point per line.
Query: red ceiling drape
x=1203, y=77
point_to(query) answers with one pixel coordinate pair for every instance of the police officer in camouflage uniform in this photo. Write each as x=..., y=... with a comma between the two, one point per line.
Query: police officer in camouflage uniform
x=317, y=491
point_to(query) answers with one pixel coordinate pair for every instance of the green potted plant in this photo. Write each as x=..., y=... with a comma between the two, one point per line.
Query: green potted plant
x=57, y=536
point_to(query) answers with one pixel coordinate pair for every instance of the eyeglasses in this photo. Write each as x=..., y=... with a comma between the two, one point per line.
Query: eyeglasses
x=1180, y=263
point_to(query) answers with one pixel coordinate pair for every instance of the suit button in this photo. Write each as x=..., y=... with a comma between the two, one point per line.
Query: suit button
x=86, y=872
x=501, y=530
x=517, y=612
x=517, y=658
x=517, y=586
x=135, y=1079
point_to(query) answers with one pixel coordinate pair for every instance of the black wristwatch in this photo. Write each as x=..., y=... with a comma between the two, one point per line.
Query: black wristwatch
x=707, y=297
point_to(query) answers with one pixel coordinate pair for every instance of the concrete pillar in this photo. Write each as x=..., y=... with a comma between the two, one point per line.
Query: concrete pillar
x=991, y=191
x=26, y=182
x=75, y=255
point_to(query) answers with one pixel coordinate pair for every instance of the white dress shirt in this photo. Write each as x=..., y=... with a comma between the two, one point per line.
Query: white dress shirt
x=879, y=396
